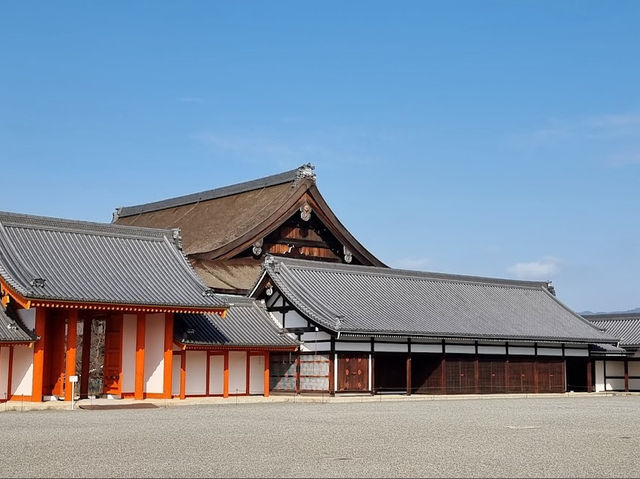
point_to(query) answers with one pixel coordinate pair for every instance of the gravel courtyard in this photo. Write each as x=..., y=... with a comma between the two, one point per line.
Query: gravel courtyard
x=550, y=437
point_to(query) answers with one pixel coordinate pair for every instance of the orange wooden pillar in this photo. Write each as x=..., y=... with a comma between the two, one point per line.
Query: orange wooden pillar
x=168, y=354
x=183, y=374
x=225, y=377
x=139, y=381
x=266, y=374
x=38, y=355
x=70, y=356
x=86, y=357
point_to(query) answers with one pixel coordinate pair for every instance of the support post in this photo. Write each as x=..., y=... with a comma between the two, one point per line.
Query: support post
x=266, y=374
x=332, y=356
x=589, y=376
x=183, y=374
x=225, y=377
x=38, y=355
x=86, y=357
x=409, y=367
x=140, y=333
x=372, y=370
x=626, y=375
x=70, y=356
x=168, y=355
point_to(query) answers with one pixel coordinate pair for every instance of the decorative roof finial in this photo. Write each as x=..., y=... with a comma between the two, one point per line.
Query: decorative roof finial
x=306, y=171
x=177, y=237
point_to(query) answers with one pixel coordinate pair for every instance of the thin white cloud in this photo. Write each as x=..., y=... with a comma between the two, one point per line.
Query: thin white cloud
x=413, y=263
x=543, y=269
x=631, y=158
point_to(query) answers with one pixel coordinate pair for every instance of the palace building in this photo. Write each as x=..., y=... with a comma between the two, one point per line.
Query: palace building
x=256, y=288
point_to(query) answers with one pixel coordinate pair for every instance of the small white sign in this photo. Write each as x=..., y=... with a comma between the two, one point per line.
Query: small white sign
x=73, y=379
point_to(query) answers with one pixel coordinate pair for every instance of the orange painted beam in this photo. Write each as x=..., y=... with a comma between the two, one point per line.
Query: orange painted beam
x=225, y=377
x=139, y=380
x=266, y=374
x=70, y=356
x=183, y=374
x=38, y=355
x=168, y=354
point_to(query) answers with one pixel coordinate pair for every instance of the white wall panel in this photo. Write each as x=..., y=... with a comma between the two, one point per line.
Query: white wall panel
x=521, y=351
x=576, y=352
x=634, y=384
x=293, y=320
x=237, y=372
x=22, y=373
x=129, y=327
x=615, y=384
x=343, y=346
x=549, y=351
x=460, y=348
x=256, y=374
x=175, y=375
x=391, y=347
x=614, y=368
x=426, y=348
x=154, y=353
x=216, y=374
x=599, y=376
x=313, y=347
x=315, y=336
x=4, y=373
x=196, y=374
x=493, y=349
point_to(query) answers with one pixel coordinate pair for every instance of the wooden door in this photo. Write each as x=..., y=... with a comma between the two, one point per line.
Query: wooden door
x=353, y=372
x=112, y=370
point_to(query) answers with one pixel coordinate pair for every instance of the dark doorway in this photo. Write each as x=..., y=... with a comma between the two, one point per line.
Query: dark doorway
x=390, y=373
x=426, y=374
x=577, y=374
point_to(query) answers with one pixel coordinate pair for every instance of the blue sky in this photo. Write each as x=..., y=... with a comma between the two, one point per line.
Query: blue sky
x=486, y=138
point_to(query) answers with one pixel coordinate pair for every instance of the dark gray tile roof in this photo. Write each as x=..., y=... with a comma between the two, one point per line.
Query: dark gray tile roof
x=12, y=330
x=366, y=299
x=625, y=326
x=247, y=323
x=273, y=180
x=606, y=349
x=64, y=260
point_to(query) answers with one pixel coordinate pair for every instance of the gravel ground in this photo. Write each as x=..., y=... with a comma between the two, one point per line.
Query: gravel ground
x=537, y=437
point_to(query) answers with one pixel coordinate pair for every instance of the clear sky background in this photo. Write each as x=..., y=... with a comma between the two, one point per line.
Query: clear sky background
x=485, y=138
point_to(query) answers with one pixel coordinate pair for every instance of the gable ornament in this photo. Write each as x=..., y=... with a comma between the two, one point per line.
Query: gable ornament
x=305, y=212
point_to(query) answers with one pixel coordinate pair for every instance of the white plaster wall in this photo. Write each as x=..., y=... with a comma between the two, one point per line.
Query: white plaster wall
x=521, y=351
x=129, y=332
x=634, y=368
x=315, y=336
x=340, y=346
x=391, y=347
x=460, y=348
x=154, y=353
x=599, y=376
x=426, y=348
x=493, y=349
x=196, y=380
x=634, y=384
x=175, y=375
x=216, y=374
x=256, y=374
x=237, y=372
x=22, y=373
x=311, y=346
x=549, y=351
x=615, y=368
x=576, y=352
x=293, y=320
x=4, y=373
x=615, y=384
x=28, y=317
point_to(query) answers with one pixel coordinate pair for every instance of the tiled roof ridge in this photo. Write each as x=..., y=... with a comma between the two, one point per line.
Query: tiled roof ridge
x=410, y=274
x=610, y=316
x=50, y=223
x=291, y=176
